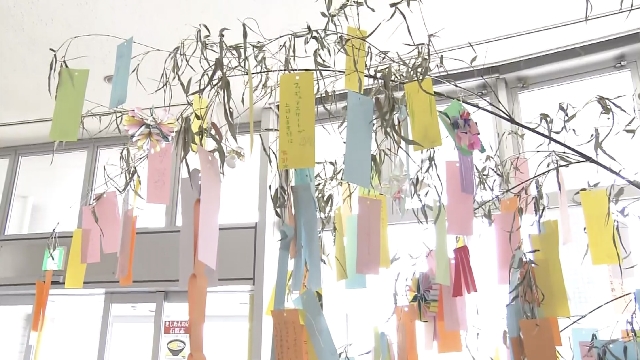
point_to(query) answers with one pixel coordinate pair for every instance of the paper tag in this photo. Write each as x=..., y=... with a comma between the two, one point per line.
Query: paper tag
x=54, y=261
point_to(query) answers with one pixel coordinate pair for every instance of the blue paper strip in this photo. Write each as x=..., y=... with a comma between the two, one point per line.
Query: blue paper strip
x=317, y=327
x=303, y=176
x=354, y=280
x=617, y=349
x=120, y=81
x=357, y=157
x=384, y=347
x=514, y=314
x=306, y=219
x=578, y=335
x=286, y=234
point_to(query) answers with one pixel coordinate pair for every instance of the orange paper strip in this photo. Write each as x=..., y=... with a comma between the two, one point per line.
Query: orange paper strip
x=406, y=327
x=128, y=278
x=537, y=338
x=288, y=335
x=448, y=341
x=197, y=295
x=37, y=303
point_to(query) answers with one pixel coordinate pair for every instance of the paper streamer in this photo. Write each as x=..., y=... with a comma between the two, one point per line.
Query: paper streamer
x=120, y=80
x=197, y=294
x=296, y=141
x=549, y=276
x=463, y=272
x=354, y=280
x=307, y=222
x=67, y=114
x=467, y=173
x=507, y=230
x=126, y=278
x=423, y=116
x=356, y=51
x=189, y=192
x=301, y=177
x=74, y=277
x=368, y=235
x=604, y=244
x=91, y=237
x=357, y=157
x=317, y=327
x=341, y=257
x=384, y=347
x=442, y=270
x=125, y=244
x=109, y=221
x=459, y=204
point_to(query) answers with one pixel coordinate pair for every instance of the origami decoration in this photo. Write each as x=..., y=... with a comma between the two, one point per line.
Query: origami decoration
x=463, y=272
x=149, y=133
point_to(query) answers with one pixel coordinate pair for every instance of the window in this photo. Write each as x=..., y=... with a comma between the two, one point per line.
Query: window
x=37, y=209
x=226, y=326
x=16, y=327
x=239, y=198
x=579, y=96
x=4, y=167
x=72, y=327
x=109, y=177
x=131, y=333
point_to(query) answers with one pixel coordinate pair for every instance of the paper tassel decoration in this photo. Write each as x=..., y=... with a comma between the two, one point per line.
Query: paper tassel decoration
x=467, y=176
x=463, y=272
x=150, y=132
x=426, y=297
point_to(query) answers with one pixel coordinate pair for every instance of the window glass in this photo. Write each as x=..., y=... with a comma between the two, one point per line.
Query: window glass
x=226, y=325
x=35, y=208
x=110, y=177
x=72, y=327
x=16, y=327
x=581, y=97
x=4, y=167
x=131, y=333
x=239, y=197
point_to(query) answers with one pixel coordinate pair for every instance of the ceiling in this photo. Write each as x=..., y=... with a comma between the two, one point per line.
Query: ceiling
x=28, y=28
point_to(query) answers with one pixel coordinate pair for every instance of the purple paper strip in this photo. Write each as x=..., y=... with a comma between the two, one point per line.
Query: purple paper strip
x=467, y=176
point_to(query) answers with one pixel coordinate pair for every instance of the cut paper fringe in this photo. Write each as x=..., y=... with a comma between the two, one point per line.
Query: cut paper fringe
x=467, y=176
x=463, y=272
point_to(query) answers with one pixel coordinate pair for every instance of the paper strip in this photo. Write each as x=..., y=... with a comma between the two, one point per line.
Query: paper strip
x=209, y=231
x=406, y=328
x=159, y=176
x=423, y=115
x=549, y=277
x=455, y=309
x=514, y=315
x=120, y=80
x=109, y=221
x=564, y=210
x=385, y=257
x=126, y=279
x=376, y=344
x=354, y=280
x=286, y=233
x=125, y=245
x=577, y=337
x=603, y=241
x=507, y=230
x=188, y=194
x=199, y=121
x=368, y=233
x=296, y=142
x=537, y=338
x=91, y=238
x=384, y=347
x=74, y=277
x=307, y=221
x=448, y=341
x=463, y=273
x=467, y=174
x=197, y=293
x=429, y=333
x=317, y=327
x=357, y=157
x=356, y=51
x=459, y=204
x=288, y=335
x=341, y=258
x=442, y=269
x=72, y=85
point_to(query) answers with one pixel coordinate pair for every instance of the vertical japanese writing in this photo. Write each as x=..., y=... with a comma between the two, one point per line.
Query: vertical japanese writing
x=297, y=121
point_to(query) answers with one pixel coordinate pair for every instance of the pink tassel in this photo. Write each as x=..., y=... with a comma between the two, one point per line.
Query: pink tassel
x=463, y=272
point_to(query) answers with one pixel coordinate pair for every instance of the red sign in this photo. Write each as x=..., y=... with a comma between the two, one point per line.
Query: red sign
x=176, y=327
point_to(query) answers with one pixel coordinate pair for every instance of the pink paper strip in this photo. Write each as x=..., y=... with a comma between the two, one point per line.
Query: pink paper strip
x=90, y=238
x=368, y=255
x=125, y=245
x=209, y=230
x=109, y=221
x=431, y=263
x=159, y=176
x=585, y=354
x=459, y=205
x=429, y=333
x=455, y=309
x=564, y=211
x=507, y=228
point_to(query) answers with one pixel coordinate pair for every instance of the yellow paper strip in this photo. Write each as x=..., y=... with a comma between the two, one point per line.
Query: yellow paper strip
x=74, y=278
x=296, y=142
x=341, y=258
x=36, y=352
x=250, y=107
x=423, y=116
x=249, y=347
x=600, y=231
x=356, y=51
x=199, y=109
x=549, y=277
